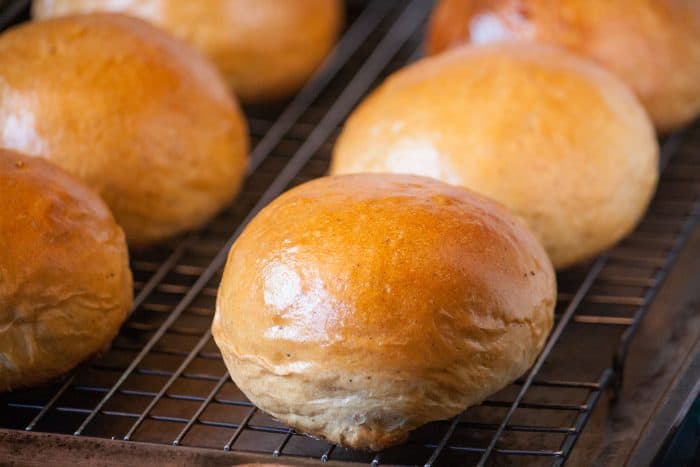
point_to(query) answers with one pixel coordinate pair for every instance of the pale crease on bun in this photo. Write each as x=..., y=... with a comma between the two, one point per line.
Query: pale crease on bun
x=652, y=45
x=561, y=142
x=266, y=49
x=141, y=117
x=357, y=308
x=65, y=284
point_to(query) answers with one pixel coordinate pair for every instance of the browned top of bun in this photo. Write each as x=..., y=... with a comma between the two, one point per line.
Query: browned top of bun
x=140, y=116
x=652, y=45
x=382, y=253
x=65, y=284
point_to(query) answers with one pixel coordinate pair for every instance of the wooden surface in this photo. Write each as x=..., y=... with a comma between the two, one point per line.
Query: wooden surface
x=657, y=359
x=18, y=448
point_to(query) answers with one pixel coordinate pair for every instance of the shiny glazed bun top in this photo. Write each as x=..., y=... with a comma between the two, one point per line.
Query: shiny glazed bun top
x=356, y=308
x=65, y=284
x=652, y=45
x=266, y=49
x=561, y=142
x=138, y=115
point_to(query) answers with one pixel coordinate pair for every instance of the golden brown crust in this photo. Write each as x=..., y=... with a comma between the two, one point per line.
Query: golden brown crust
x=653, y=45
x=358, y=307
x=138, y=115
x=561, y=142
x=266, y=49
x=65, y=284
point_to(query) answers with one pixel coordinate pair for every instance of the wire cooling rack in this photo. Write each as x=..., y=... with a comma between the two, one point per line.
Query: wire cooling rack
x=163, y=381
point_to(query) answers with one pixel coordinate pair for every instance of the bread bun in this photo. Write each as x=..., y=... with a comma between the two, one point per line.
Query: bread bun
x=653, y=45
x=143, y=119
x=266, y=49
x=356, y=308
x=561, y=142
x=65, y=285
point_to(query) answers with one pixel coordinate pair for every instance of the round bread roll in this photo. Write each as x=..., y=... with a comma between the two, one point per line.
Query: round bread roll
x=356, y=308
x=139, y=116
x=561, y=142
x=65, y=284
x=652, y=45
x=266, y=49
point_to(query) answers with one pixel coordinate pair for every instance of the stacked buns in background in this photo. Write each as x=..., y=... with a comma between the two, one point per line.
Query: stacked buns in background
x=652, y=45
x=265, y=49
x=65, y=284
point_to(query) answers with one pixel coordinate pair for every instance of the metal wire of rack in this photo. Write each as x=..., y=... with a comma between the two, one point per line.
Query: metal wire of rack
x=163, y=381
